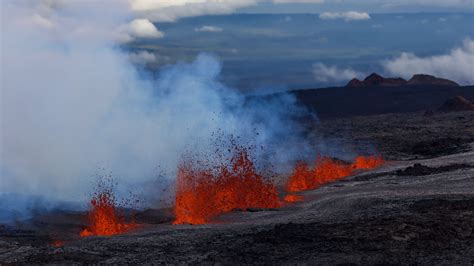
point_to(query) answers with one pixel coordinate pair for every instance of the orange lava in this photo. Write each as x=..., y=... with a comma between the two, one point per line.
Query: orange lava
x=327, y=170
x=293, y=198
x=57, y=243
x=104, y=218
x=202, y=194
x=367, y=162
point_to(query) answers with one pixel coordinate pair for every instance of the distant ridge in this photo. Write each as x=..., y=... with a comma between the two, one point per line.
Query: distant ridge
x=423, y=79
x=382, y=98
x=376, y=80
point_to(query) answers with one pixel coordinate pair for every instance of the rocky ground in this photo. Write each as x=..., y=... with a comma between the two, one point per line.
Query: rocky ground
x=403, y=136
x=418, y=208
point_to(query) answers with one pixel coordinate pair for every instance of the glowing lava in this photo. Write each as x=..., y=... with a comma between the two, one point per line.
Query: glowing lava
x=57, y=244
x=202, y=194
x=104, y=218
x=367, y=162
x=293, y=198
x=327, y=170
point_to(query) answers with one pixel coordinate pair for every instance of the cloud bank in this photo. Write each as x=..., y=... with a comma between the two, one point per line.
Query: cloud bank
x=457, y=65
x=347, y=16
x=172, y=10
x=208, y=29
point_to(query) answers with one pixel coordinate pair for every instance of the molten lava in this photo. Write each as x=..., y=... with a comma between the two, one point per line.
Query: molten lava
x=293, y=198
x=327, y=170
x=202, y=194
x=367, y=162
x=57, y=244
x=104, y=218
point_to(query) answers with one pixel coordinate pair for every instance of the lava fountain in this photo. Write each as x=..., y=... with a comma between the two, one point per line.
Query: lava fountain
x=203, y=194
x=104, y=218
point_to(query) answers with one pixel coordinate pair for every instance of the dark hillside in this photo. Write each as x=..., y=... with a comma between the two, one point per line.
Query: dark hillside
x=349, y=101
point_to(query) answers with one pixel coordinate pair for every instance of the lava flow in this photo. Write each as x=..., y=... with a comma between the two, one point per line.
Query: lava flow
x=327, y=170
x=293, y=198
x=104, y=218
x=367, y=162
x=57, y=243
x=202, y=194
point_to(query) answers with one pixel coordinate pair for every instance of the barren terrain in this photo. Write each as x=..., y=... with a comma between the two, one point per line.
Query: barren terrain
x=417, y=208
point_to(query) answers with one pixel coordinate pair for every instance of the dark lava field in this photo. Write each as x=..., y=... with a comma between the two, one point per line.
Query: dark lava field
x=416, y=209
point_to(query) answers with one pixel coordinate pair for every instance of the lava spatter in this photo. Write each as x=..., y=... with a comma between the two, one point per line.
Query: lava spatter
x=103, y=216
x=202, y=194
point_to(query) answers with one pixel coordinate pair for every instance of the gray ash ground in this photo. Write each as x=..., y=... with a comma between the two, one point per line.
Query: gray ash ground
x=417, y=209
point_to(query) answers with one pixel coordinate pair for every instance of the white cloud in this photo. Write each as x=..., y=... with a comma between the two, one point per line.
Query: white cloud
x=172, y=10
x=142, y=57
x=324, y=73
x=143, y=28
x=347, y=16
x=457, y=65
x=138, y=28
x=208, y=29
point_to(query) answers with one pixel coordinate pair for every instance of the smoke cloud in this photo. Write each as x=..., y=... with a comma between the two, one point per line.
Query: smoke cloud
x=73, y=108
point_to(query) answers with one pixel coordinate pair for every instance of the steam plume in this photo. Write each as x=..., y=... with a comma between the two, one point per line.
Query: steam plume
x=73, y=104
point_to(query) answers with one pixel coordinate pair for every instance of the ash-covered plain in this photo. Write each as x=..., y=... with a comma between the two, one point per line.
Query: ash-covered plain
x=416, y=209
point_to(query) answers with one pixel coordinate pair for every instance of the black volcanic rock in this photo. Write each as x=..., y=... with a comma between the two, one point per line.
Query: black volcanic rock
x=422, y=79
x=456, y=104
x=375, y=79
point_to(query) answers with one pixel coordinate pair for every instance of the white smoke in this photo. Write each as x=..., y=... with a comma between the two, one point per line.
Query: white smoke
x=72, y=104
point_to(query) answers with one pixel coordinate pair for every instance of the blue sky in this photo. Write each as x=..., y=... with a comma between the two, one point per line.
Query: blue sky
x=280, y=51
